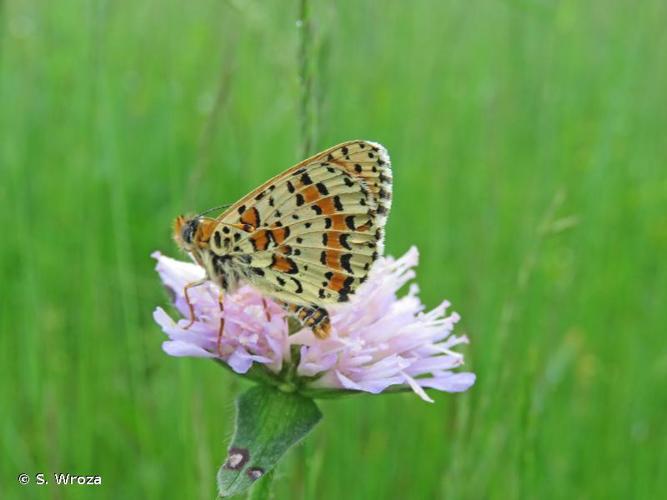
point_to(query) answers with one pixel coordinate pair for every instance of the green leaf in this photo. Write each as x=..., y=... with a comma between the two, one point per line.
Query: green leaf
x=268, y=423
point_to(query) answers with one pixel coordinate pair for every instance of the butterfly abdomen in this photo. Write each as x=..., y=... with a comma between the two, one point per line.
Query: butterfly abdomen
x=312, y=316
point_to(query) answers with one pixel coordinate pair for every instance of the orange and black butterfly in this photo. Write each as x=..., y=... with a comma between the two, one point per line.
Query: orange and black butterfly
x=307, y=237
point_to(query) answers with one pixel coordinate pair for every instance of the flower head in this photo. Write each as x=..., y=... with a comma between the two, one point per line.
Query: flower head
x=379, y=341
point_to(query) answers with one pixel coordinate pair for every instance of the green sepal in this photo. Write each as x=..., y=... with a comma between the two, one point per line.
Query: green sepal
x=268, y=423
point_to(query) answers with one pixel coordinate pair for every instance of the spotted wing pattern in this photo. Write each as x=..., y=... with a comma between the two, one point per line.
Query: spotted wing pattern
x=309, y=236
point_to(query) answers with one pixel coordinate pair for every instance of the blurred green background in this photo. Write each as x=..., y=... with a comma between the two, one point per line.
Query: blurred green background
x=529, y=148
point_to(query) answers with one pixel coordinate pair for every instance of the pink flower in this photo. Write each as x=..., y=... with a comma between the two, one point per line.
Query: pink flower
x=379, y=341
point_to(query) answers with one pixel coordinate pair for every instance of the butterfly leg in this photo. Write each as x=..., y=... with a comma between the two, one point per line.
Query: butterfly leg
x=314, y=317
x=188, y=302
x=266, y=310
x=221, y=328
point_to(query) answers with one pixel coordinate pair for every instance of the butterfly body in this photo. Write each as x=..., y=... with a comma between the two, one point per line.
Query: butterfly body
x=307, y=237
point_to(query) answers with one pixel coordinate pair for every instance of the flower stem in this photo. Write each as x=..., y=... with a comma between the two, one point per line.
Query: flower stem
x=268, y=423
x=305, y=79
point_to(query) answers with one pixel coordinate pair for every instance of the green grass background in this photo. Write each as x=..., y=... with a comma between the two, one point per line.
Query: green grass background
x=529, y=148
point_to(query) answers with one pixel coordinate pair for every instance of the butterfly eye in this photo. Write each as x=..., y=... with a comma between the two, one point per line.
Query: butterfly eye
x=189, y=230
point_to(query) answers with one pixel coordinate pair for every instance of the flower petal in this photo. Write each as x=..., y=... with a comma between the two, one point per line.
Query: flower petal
x=180, y=348
x=378, y=339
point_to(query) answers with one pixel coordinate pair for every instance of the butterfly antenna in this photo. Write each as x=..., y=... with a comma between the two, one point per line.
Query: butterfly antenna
x=214, y=209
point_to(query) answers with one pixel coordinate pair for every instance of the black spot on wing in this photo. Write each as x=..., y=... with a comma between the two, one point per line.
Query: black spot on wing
x=347, y=288
x=345, y=262
x=279, y=264
x=299, y=288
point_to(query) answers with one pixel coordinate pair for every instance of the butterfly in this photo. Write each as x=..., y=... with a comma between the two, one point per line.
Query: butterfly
x=307, y=237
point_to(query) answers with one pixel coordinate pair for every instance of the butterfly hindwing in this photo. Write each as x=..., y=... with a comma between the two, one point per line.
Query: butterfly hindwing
x=310, y=234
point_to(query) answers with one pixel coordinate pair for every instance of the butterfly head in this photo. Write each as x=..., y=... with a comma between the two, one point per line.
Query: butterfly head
x=185, y=232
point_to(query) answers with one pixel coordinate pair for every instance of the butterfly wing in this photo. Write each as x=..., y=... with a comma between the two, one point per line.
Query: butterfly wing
x=311, y=234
